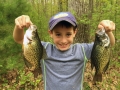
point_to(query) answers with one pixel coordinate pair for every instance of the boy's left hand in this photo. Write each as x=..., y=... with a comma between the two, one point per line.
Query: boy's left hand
x=107, y=25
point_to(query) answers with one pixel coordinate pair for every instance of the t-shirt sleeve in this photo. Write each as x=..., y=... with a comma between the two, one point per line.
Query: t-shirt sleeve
x=88, y=49
x=44, y=44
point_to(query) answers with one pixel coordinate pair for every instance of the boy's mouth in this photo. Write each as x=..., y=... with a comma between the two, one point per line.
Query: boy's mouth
x=63, y=46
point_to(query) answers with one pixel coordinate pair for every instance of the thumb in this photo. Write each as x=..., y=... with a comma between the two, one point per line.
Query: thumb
x=100, y=26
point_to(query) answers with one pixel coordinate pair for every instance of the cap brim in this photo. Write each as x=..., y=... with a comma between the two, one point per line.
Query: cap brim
x=61, y=19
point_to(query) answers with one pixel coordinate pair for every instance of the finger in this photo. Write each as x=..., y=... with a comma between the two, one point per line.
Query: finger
x=112, y=25
x=100, y=26
x=107, y=24
x=23, y=19
x=18, y=22
x=28, y=21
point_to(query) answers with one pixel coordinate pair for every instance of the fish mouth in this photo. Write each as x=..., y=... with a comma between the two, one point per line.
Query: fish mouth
x=100, y=32
x=29, y=38
x=33, y=27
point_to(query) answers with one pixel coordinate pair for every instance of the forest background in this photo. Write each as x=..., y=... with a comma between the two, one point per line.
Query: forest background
x=88, y=14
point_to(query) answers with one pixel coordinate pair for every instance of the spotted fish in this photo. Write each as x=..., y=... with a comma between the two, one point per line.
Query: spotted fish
x=100, y=56
x=32, y=50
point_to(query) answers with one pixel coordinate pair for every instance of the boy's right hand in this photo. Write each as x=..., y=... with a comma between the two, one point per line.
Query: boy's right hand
x=23, y=21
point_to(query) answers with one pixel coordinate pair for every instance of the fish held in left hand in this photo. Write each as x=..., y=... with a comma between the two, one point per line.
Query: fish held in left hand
x=32, y=50
x=100, y=56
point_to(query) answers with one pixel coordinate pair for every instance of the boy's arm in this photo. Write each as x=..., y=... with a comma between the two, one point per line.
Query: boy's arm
x=18, y=35
x=112, y=38
x=109, y=26
x=20, y=23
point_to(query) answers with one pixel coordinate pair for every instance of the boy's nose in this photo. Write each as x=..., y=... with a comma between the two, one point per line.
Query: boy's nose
x=64, y=40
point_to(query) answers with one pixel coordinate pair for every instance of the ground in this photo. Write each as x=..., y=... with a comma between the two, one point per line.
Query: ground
x=18, y=80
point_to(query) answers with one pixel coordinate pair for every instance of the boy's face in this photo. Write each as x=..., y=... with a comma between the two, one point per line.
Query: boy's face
x=63, y=37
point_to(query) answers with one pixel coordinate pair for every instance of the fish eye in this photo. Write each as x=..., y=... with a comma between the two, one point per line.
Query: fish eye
x=34, y=32
x=98, y=36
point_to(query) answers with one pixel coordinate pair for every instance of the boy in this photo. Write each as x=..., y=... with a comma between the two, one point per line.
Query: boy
x=63, y=68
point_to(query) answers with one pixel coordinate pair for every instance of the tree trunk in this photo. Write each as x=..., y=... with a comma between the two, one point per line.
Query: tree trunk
x=63, y=5
x=82, y=9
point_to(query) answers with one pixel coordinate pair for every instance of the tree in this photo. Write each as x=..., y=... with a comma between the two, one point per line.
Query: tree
x=83, y=12
x=63, y=5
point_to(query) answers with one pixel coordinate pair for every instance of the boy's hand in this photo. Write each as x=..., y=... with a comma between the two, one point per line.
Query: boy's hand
x=23, y=21
x=107, y=25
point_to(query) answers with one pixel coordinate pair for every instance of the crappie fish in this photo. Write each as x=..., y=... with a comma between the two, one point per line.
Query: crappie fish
x=100, y=56
x=32, y=50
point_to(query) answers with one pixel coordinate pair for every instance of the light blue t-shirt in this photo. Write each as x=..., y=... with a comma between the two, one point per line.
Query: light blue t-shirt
x=64, y=70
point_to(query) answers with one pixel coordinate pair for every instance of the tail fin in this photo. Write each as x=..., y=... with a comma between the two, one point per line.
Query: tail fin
x=37, y=72
x=97, y=77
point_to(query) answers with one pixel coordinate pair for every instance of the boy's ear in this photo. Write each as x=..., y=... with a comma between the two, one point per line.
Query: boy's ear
x=75, y=32
x=50, y=33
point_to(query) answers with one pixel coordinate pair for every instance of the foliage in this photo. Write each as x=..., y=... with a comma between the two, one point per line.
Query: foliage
x=9, y=50
x=40, y=12
x=20, y=80
x=10, y=9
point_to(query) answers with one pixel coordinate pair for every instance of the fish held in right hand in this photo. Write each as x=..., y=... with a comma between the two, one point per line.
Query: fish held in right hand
x=33, y=50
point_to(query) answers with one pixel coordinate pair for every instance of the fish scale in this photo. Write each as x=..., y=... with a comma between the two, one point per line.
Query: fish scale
x=100, y=56
x=32, y=50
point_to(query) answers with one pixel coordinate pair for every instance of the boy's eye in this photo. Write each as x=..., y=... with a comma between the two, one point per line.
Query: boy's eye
x=57, y=34
x=68, y=34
